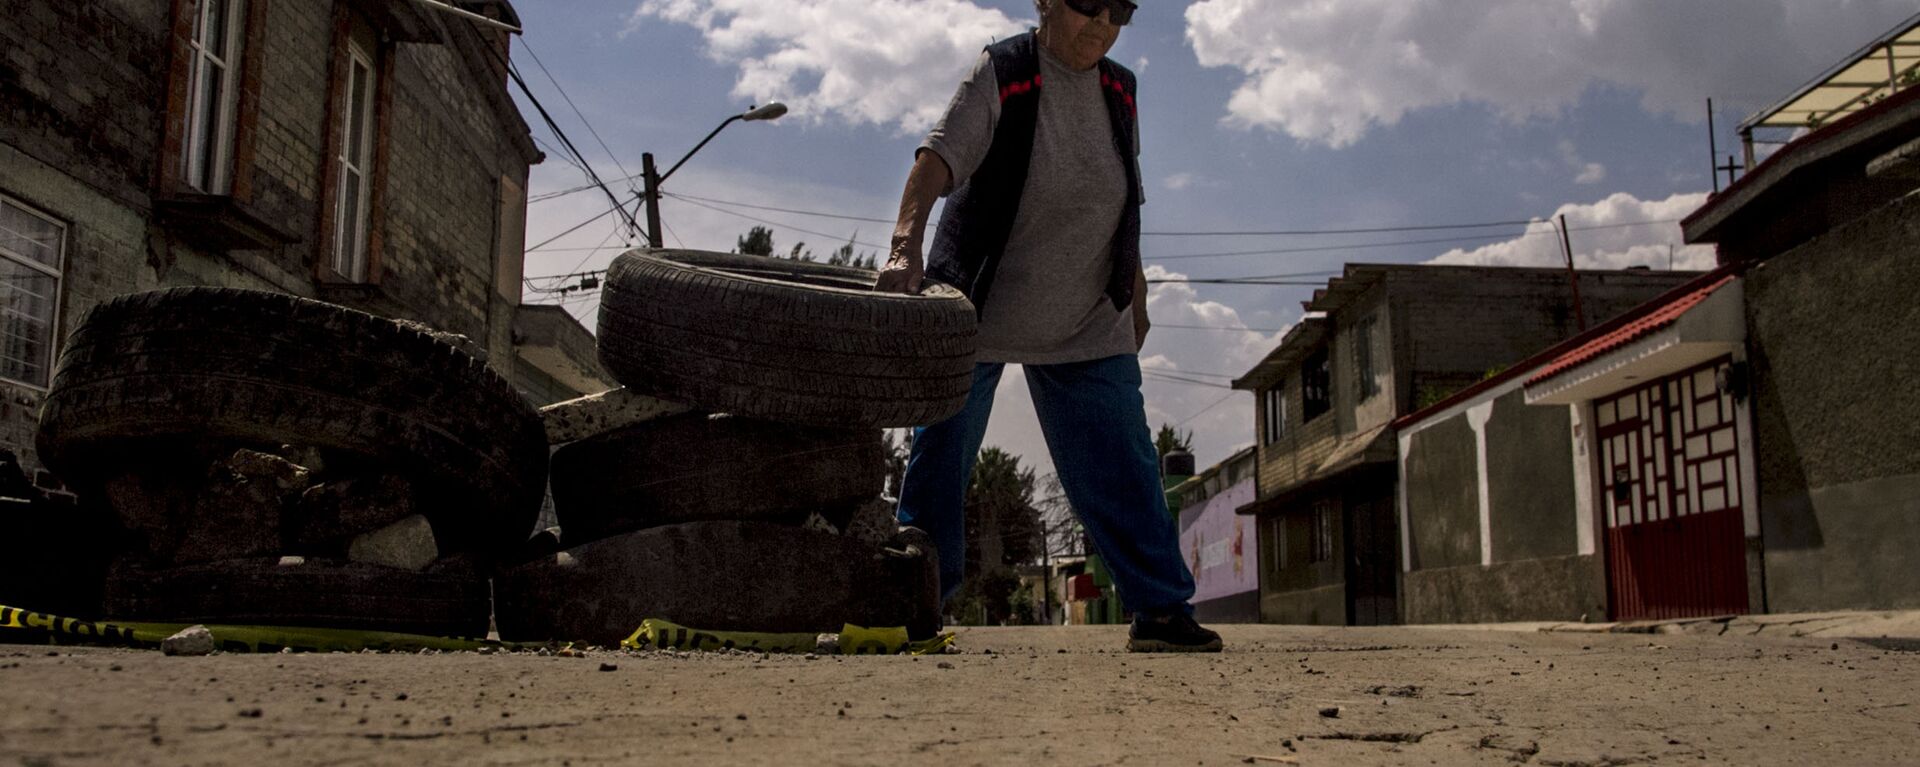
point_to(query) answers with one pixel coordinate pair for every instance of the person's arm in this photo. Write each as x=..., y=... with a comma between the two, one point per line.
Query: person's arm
x=905, y=267
x=1140, y=323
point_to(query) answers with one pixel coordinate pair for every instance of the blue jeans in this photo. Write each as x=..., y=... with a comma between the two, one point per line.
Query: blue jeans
x=1095, y=423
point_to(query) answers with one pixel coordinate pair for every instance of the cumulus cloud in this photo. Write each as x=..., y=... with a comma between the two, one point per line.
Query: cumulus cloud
x=1179, y=181
x=1606, y=235
x=865, y=62
x=1584, y=172
x=1327, y=72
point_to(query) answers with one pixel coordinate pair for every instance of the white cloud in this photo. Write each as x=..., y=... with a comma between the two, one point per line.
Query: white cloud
x=1584, y=172
x=1602, y=238
x=878, y=62
x=1179, y=181
x=1140, y=66
x=1327, y=72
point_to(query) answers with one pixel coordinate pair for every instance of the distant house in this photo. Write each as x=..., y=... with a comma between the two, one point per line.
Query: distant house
x=1221, y=546
x=1382, y=341
x=360, y=152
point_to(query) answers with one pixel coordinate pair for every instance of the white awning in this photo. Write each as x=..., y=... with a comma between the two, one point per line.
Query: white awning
x=1884, y=66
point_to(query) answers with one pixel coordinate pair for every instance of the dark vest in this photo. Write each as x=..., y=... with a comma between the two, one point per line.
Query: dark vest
x=978, y=219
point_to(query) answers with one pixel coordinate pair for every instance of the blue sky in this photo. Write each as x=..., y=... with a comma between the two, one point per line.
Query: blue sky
x=1256, y=115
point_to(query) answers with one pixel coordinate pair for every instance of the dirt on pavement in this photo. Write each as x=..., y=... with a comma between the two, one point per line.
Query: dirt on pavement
x=1278, y=695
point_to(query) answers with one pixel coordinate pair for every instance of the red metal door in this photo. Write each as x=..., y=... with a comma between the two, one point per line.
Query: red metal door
x=1670, y=464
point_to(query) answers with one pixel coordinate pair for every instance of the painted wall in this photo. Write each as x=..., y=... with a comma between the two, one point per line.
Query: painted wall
x=1833, y=330
x=1221, y=547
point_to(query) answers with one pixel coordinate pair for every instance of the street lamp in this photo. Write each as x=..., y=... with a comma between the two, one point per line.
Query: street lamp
x=653, y=181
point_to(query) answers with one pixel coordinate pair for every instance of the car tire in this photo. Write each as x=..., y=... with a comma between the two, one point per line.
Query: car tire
x=785, y=340
x=312, y=594
x=176, y=370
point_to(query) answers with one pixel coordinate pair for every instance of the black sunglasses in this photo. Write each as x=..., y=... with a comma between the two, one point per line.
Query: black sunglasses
x=1119, y=12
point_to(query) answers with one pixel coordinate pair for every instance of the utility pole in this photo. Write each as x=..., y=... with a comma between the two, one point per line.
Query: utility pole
x=652, y=180
x=1713, y=150
x=1573, y=275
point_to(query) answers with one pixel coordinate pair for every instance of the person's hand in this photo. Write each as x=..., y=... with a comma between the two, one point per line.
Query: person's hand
x=903, y=271
x=1140, y=328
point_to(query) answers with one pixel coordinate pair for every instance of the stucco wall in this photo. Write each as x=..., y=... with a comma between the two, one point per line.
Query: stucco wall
x=1442, y=496
x=1324, y=606
x=1530, y=480
x=1548, y=589
x=1833, y=330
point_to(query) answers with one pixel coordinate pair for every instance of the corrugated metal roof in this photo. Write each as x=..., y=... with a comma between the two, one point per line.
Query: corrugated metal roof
x=1660, y=317
x=1888, y=64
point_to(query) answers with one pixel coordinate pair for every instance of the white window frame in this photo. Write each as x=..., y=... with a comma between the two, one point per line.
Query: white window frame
x=212, y=145
x=349, y=258
x=1276, y=413
x=53, y=323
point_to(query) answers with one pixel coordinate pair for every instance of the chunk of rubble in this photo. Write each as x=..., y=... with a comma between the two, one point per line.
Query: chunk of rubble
x=407, y=544
x=597, y=414
x=335, y=512
x=192, y=640
x=238, y=513
x=873, y=522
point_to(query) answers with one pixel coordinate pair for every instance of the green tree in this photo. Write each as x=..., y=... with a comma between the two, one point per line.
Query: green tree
x=1003, y=531
x=845, y=257
x=1170, y=439
x=758, y=241
x=800, y=252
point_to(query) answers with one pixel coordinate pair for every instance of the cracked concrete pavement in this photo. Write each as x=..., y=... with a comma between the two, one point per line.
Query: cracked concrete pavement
x=1279, y=695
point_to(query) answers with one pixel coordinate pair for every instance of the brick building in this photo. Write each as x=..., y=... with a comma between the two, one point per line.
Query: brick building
x=1380, y=342
x=356, y=151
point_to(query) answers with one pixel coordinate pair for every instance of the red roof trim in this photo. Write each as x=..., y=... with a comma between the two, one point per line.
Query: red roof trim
x=1554, y=352
x=1665, y=315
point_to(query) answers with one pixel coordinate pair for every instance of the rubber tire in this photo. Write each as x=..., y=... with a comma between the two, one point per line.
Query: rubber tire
x=337, y=595
x=163, y=370
x=695, y=467
x=789, y=341
x=722, y=576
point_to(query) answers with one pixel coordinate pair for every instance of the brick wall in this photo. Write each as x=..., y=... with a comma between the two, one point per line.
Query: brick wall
x=86, y=85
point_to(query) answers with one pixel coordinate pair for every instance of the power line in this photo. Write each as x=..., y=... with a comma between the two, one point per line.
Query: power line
x=1203, y=411
x=1165, y=378
x=1220, y=327
x=787, y=210
x=576, y=109
x=1359, y=230
x=514, y=72
x=835, y=237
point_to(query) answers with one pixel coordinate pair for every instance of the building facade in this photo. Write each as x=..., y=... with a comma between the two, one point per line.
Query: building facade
x=1379, y=343
x=360, y=152
x=1221, y=546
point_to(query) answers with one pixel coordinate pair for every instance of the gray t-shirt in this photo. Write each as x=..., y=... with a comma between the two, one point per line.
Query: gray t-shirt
x=1049, y=302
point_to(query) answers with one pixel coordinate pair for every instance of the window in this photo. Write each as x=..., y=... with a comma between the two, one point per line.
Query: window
x=1316, y=386
x=207, y=125
x=31, y=249
x=1362, y=340
x=1274, y=552
x=1276, y=413
x=354, y=158
x=1322, y=532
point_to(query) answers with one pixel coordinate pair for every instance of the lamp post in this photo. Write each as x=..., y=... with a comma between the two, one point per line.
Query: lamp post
x=654, y=180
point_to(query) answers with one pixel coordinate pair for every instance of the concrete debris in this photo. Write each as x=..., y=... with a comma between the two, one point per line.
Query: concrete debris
x=335, y=512
x=193, y=640
x=306, y=456
x=407, y=544
x=827, y=644
x=873, y=522
x=817, y=522
x=597, y=414
x=292, y=561
x=238, y=513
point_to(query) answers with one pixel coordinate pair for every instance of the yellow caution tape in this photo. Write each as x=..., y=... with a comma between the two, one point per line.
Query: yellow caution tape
x=658, y=634
x=19, y=626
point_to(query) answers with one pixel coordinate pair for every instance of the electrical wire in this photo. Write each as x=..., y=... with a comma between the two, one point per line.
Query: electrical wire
x=576, y=110
x=514, y=72
x=766, y=222
x=1204, y=410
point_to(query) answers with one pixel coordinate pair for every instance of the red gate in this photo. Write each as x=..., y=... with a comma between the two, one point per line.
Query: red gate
x=1670, y=463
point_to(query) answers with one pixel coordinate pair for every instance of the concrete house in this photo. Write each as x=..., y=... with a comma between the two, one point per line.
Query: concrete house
x=356, y=151
x=1743, y=443
x=1827, y=233
x=1380, y=342
x=1558, y=489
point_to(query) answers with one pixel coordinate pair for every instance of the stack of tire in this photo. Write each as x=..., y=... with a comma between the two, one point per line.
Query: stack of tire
x=730, y=516
x=259, y=450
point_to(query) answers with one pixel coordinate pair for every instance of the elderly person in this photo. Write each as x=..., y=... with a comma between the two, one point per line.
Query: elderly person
x=1037, y=155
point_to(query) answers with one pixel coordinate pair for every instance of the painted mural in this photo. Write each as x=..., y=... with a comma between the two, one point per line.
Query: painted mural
x=1220, y=546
